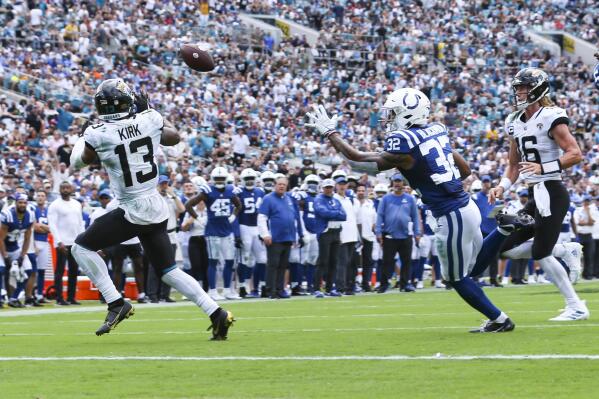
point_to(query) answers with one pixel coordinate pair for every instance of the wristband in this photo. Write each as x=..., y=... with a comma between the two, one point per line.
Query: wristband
x=551, y=167
x=505, y=183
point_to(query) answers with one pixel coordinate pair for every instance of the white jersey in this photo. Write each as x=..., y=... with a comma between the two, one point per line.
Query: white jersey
x=126, y=149
x=534, y=140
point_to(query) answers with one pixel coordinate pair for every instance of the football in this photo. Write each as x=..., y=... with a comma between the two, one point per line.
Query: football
x=196, y=59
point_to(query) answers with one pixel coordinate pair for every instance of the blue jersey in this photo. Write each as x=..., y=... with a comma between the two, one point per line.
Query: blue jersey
x=434, y=174
x=428, y=231
x=250, y=203
x=309, y=216
x=569, y=215
x=219, y=207
x=41, y=216
x=16, y=227
x=376, y=203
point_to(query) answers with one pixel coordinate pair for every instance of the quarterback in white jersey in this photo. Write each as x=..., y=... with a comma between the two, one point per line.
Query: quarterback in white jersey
x=541, y=147
x=125, y=144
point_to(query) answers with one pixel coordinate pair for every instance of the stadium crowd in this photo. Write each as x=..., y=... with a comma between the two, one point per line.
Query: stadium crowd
x=248, y=112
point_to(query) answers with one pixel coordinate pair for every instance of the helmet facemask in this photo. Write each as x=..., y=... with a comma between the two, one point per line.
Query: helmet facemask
x=249, y=182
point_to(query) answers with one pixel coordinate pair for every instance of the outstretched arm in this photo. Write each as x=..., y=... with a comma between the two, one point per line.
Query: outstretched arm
x=383, y=160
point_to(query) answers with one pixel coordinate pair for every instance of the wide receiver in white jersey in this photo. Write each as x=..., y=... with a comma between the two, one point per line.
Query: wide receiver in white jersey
x=541, y=147
x=125, y=144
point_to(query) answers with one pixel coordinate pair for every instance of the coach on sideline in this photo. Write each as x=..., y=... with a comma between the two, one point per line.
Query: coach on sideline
x=278, y=225
x=329, y=214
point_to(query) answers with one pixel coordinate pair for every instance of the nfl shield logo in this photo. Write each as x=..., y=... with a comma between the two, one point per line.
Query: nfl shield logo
x=539, y=126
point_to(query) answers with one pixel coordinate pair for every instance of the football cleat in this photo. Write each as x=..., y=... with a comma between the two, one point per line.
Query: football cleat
x=253, y=294
x=115, y=315
x=573, y=259
x=230, y=293
x=214, y=294
x=573, y=314
x=494, y=327
x=220, y=327
x=243, y=292
x=511, y=223
x=419, y=285
x=15, y=303
x=439, y=284
x=318, y=294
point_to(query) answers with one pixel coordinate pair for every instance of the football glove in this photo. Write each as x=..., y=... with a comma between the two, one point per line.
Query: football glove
x=301, y=242
x=142, y=102
x=238, y=242
x=320, y=120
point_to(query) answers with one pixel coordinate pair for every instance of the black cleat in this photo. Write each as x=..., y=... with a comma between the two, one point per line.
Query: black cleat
x=243, y=292
x=511, y=223
x=115, y=316
x=493, y=327
x=15, y=303
x=220, y=326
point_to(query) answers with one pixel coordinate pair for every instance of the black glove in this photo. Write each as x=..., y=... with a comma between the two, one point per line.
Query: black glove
x=141, y=102
x=301, y=242
x=20, y=260
x=238, y=242
x=7, y=263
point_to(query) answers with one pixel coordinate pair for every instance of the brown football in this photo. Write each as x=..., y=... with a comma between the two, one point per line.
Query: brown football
x=196, y=59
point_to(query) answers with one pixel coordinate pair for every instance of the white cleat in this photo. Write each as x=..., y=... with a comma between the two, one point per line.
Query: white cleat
x=419, y=285
x=439, y=284
x=542, y=280
x=573, y=259
x=215, y=295
x=573, y=314
x=505, y=280
x=231, y=294
x=531, y=279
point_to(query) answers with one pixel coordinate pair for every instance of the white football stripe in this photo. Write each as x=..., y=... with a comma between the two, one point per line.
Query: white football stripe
x=438, y=356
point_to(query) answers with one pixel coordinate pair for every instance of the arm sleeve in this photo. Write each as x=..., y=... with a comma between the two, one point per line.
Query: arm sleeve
x=380, y=218
x=263, y=225
x=53, y=223
x=417, y=231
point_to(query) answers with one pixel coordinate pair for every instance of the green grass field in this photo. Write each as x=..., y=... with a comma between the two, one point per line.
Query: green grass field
x=376, y=346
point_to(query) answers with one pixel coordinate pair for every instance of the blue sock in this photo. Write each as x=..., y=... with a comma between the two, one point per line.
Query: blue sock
x=301, y=273
x=259, y=274
x=294, y=272
x=40, y=281
x=415, y=269
x=228, y=273
x=491, y=246
x=242, y=272
x=436, y=267
x=212, y=273
x=531, y=267
x=508, y=268
x=310, y=275
x=475, y=297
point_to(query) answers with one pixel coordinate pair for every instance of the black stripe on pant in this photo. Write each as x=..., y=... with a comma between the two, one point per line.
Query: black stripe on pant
x=392, y=246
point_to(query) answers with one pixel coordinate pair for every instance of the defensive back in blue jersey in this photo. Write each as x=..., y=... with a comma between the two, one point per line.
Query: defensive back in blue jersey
x=250, y=203
x=16, y=227
x=219, y=207
x=434, y=173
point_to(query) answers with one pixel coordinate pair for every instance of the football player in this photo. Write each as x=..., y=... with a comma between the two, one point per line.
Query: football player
x=220, y=198
x=40, y=236
x=541, y=147
x=268, y=181
x=16, y=226
x=421, y=151
x=125, y=142
x=253, y=251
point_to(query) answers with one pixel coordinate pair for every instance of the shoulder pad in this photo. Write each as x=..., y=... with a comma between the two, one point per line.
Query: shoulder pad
x=399, y=142
x=237, y=190
x=205, y=188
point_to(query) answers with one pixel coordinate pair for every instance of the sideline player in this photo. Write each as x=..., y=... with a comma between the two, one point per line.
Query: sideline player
x=125, y=142
x=422, y=153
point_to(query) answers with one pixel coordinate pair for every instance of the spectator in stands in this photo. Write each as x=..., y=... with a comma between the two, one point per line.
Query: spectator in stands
x=241, y=142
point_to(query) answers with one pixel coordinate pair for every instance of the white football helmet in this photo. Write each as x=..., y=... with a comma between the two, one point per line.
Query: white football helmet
x=219, y=177
x=405, y=108
x=312, y=182
x=339, y=173
x=268, y=180
x=199, y=181
x=248, y=178
x=381, y=189
x=476, y=186
x=230, y=179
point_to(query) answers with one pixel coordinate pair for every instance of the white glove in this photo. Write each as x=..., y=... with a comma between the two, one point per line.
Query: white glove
x=321, y=121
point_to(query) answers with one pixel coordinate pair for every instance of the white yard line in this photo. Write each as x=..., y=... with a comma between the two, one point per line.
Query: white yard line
x=306, y=330
x=438, y=356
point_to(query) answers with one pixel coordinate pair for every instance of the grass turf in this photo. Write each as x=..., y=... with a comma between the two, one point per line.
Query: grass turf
x=420, y=324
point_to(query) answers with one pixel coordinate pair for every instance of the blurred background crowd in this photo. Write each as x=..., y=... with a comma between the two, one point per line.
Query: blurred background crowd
x=462, y=54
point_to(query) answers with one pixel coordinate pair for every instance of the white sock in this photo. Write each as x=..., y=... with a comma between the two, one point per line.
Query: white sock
x=522, y=251
x=192, y=290
x=94, y=267
x=558, y=275
x=502, y=317
x=559, y=251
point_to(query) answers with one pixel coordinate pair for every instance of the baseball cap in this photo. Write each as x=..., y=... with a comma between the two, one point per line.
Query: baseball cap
x=587, y=197
x=328, y=183
x=105, y=193
x=341, y=180
x=397, y=176
x=163, y=179
x=486, y=178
